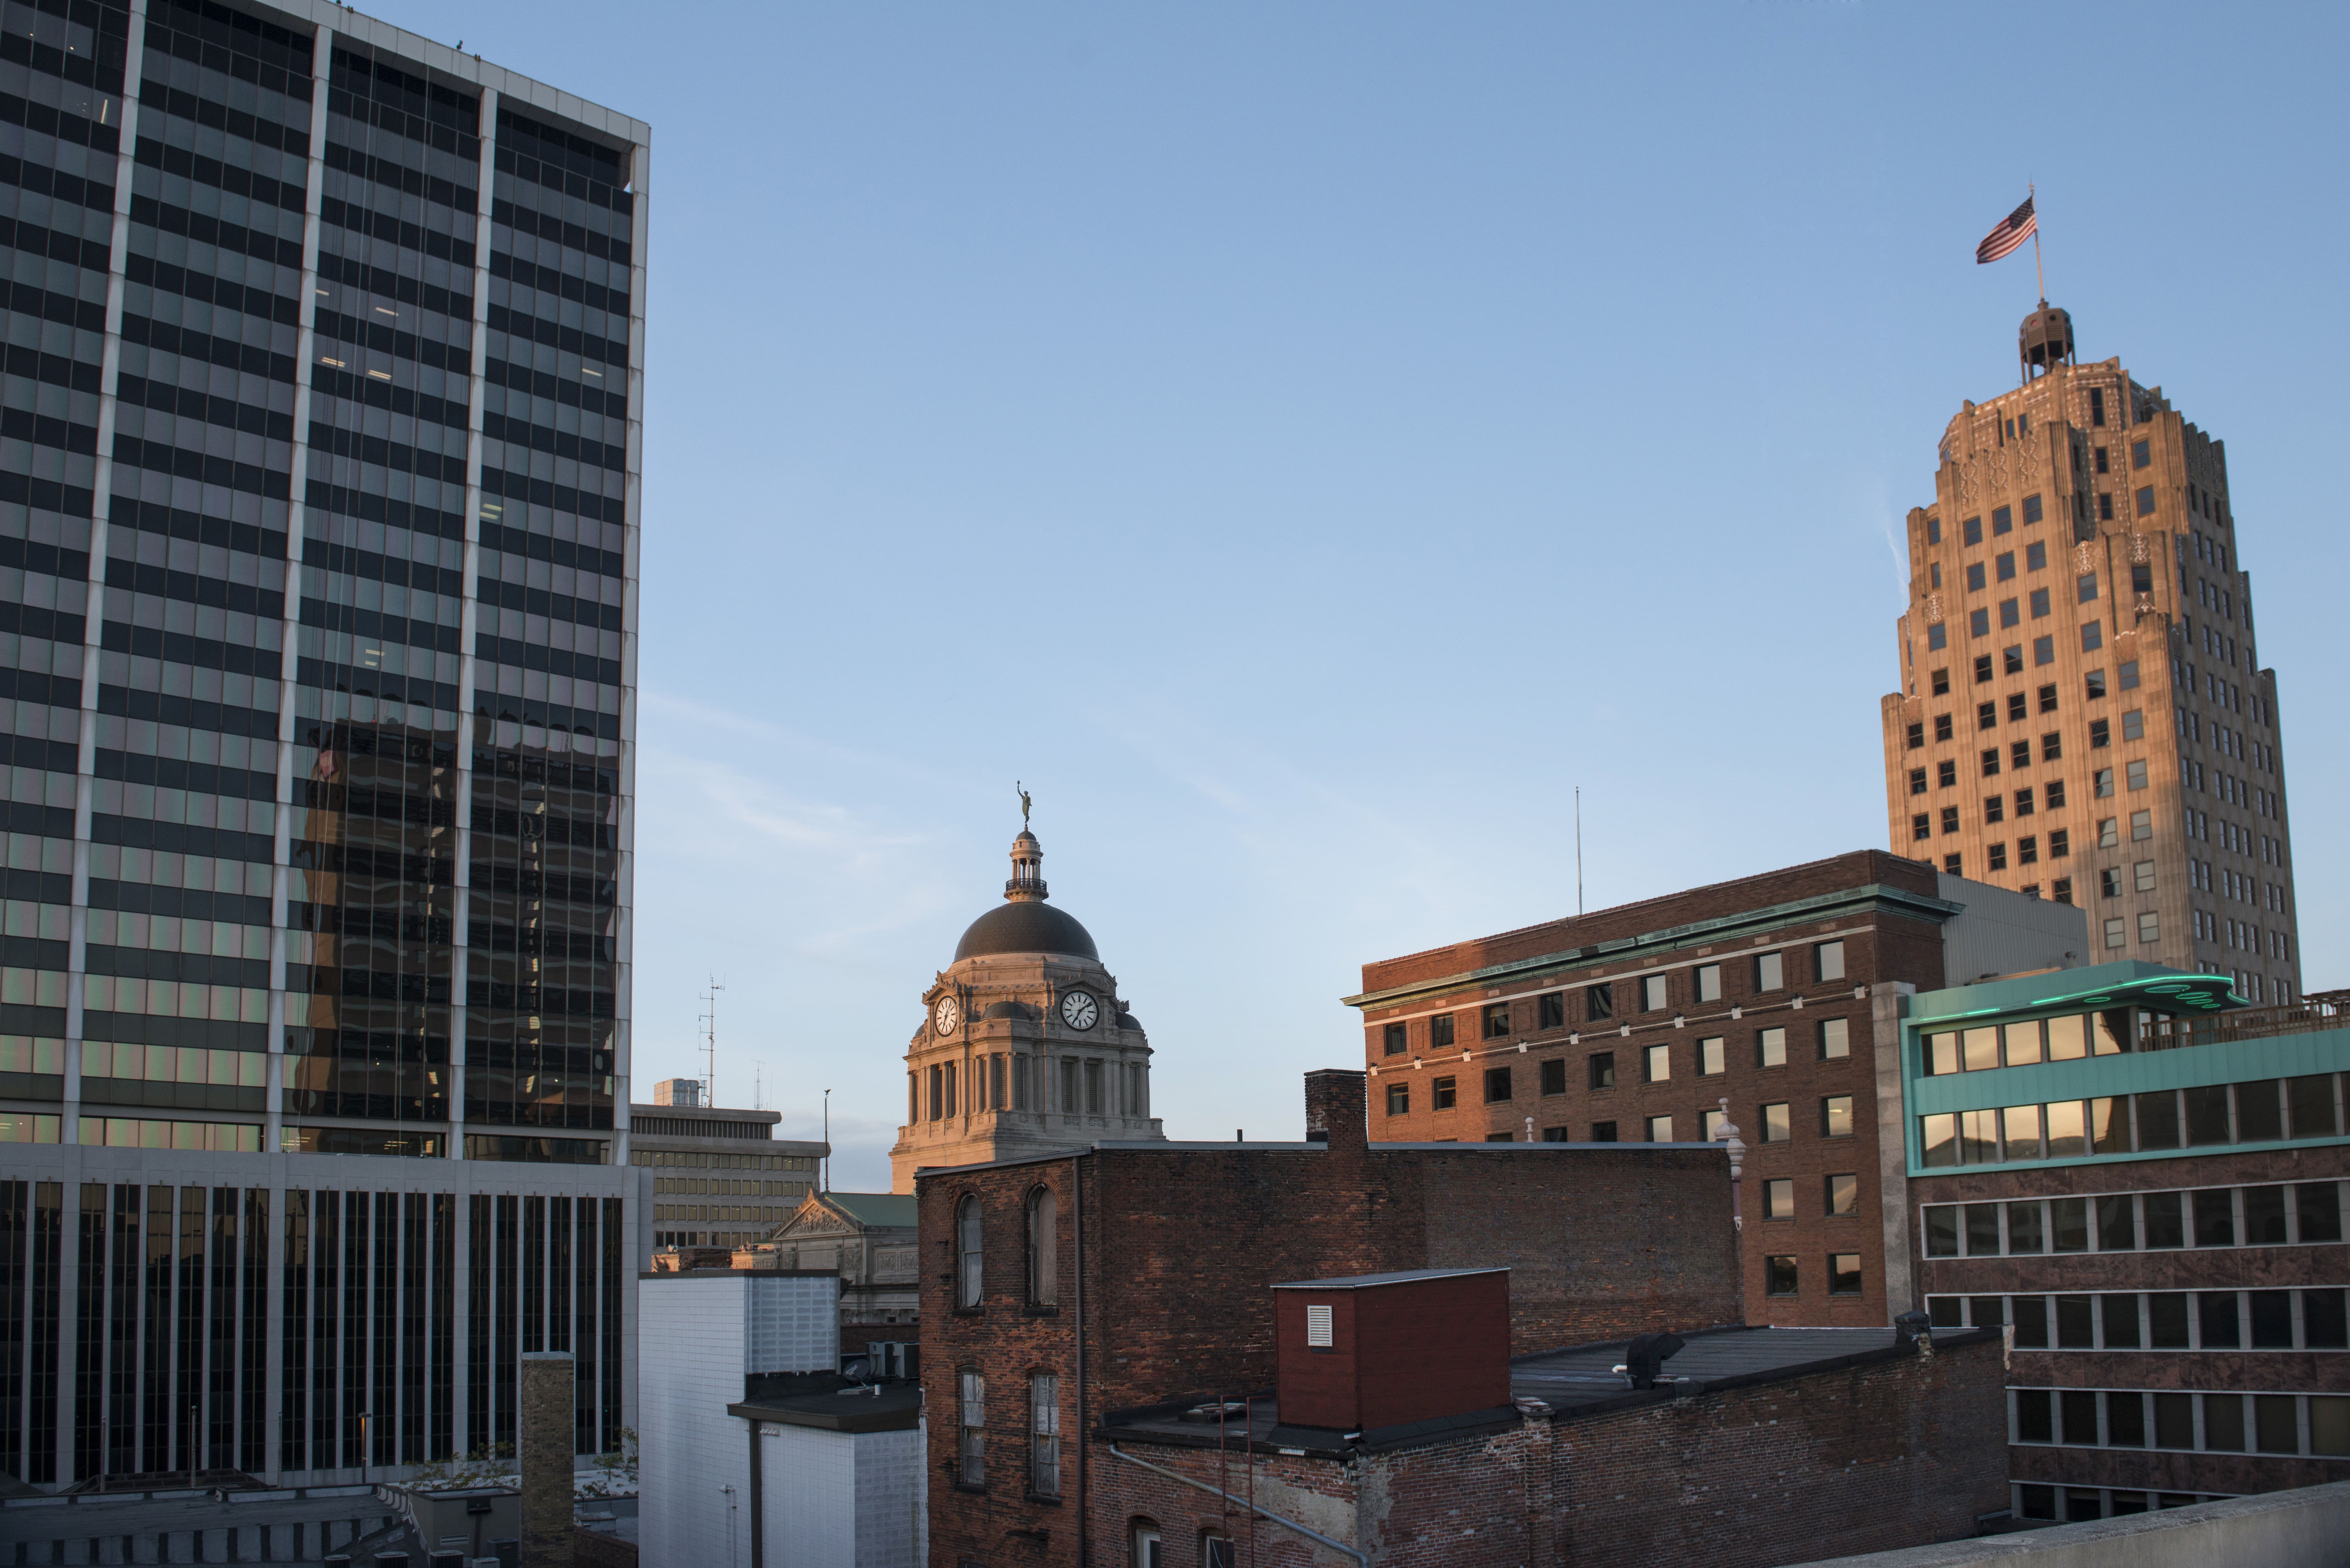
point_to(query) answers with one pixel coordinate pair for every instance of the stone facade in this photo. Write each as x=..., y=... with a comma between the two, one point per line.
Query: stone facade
x=2081, y=709
x=1025, y=1045
x=868, y=1237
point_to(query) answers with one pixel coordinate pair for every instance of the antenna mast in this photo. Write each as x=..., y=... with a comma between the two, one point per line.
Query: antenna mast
x=710, y=1043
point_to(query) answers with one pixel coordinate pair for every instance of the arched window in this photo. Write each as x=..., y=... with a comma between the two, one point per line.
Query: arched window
x=1142, y=1538
x=967, y=1276
x=1043, y=1248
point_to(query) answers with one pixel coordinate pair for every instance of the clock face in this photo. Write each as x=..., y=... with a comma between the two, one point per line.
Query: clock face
x=1079, y=1010
x=946, y=1015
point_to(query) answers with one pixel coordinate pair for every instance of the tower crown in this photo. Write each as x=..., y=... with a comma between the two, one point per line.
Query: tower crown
x=1027, y=883
x=2045, y=340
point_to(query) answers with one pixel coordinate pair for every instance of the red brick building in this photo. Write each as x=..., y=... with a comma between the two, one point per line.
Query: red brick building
x=1779, y=993
x=1058, y=1288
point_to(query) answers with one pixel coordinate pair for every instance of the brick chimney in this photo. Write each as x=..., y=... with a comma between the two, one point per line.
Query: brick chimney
x=1336, y=1112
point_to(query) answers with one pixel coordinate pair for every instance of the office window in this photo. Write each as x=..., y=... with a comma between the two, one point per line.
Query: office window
x=1827, y=961
x=1599, y=1001
x=1603, y=1132
x=2134, y=725
x=1710, y=1123
x=2018, y=705
x=1554, y=1075
x=1933, y=530
x=2003, y=520
x=1950, y=864
x=1994, y=808
x=2093, y=636
x=2010, y=613
x=1921, y=825
x=2141, y=824
x=1941, y=682
x=1779, y=1198
x=2149, y=926
x=2108, y=832
x=1555, y=1134
x=1440, y=1032
x=1769, y=972
x=1708, y=982
x=1440, y=1094
x=2027, y=851
x=2146, y=501
x=1946, y=773
x=1602, y=1068
x=2043, y=649
x=1995, y=855
x=1657, y=1063
x=2117, y=932
x=1771, y=1048
x=968, y=1274
x=1550, y=1010
x=1044, y=1434
x=1660, y=1129
x=971, y=1451
x=1397, y=1039
x=2097, y=416
x=1712, y=1058
x=1842, y=1194
x=1779, y=1276
x=1399, y=1099
x=2014, y=660
x=2005, y=564
x=1835, y=1039
x=2102, y=783
x=1975, y=580
x=1844, y=1273
x=1970, y=531
x=1778, y=1125
x=2018, y=755
x=1653, y=987
x=2105, y=506
x=2031, y=514
x=1942, y=730
x=1938, y=637
x=1835, y=1117
x=2048, y=697
x=2129, y=672
x=1983, y=671
x=1497, y=1085
x=2142, y=873
x=2140, y=454
x=2023, y=801
x=1979, y=623
x=2040, y=609
x=2134, y=772
x=2085, y=591
x=1989, y=760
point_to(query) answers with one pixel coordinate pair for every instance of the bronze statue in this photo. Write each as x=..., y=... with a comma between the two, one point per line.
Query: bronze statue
x=1024, y=805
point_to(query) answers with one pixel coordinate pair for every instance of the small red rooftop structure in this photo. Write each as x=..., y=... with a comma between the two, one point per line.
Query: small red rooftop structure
x=1365, y=1351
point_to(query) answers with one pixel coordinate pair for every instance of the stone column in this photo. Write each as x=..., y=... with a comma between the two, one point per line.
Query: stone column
x=546, y=1443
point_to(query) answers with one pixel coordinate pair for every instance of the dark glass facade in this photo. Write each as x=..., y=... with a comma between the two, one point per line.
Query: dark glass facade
x=317, y=522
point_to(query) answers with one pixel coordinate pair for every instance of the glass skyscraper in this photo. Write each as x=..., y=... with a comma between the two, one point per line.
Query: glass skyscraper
x=318, y=489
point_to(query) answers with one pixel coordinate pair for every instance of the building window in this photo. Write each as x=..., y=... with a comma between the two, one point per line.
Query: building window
x=1835, y=1117
x=2135, y=773
x=1710, y=1124
x=1660, y=1129
x=1779, y=1199
x=1554, y=1075
x=1399, y=1039
x=1599, y=1001
x=1974, y=576
x=1603, y=1132
x=1844, y=1273
x=1555, y=1134
x=2129, y=672
x=2117, y=932
x=1497, y=1085
x=1399, y=1099
x=2010, y=613
x=1712, y=1058
x=2105, y=506
x=1942, y=730
x=1440, y=1094
x=1946, y=773
x=2031, y=514
x=1979, y=623
x=1550, y=1010
x=2027, y=850
x=2040, y=612
x=1770, y=973
x=1921, y=826
x=1950, y=864
x=1144, y=1549
x=1941, y=682
x=1778, y=1127
x=1995, y=855
x=1217, y=1551
x=1836, y=1038
x=1603, y=1070
x=1994, y=808
x=1708, y=982
x=2062, y=888
x=1044, y=1433
x=967, y=1252
x=1440, y=1032
x=1990, y=759
x=2097, y=416
x=2101, y=784
x=1986, y=715
x=2141, y=455
x=1653, y=990
x=1779, y=1276
x=1770, y=1047
x=2149, y=926
x=937, y=1093
x=2093, y=636
x=2023, y=801
x=1842, y=1195
x=971, y=1451
x=1657, y=1063
x=2006, y=565
x=1043, y=1248
x=1970, y=531
x=2141, y=824
x=1497, y=1021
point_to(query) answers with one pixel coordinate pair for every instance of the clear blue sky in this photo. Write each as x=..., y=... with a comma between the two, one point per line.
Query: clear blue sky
x=1304, y=442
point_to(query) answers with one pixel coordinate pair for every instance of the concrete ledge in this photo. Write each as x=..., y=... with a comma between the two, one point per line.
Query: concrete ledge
x=2306, y=1528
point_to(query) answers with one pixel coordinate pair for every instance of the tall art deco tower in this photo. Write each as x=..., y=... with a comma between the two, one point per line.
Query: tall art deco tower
x=2083, y=711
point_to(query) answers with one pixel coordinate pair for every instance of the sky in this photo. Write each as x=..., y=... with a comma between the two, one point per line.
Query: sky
x=1304, y=444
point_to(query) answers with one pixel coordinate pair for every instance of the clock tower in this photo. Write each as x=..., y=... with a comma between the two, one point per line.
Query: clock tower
x=1025, y=1044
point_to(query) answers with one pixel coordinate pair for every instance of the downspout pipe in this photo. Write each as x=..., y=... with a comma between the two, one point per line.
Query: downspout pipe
x=758, y=1497
x=1290, y=1525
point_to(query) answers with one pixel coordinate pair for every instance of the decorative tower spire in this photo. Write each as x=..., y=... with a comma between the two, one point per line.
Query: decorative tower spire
x=1027, y=884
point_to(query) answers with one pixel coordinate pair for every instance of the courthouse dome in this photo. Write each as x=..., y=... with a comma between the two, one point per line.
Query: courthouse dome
x=1026, y=924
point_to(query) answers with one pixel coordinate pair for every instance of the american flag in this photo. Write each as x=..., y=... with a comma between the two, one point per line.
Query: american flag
x=2012, y=231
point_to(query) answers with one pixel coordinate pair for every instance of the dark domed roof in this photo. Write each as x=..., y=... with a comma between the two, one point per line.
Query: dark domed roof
x=1129, y=1020
x=1008, y=1009
x=1026, y=927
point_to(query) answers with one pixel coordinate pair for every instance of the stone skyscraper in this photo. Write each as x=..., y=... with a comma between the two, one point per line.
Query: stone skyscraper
x=2083, y=711
x=318, y=506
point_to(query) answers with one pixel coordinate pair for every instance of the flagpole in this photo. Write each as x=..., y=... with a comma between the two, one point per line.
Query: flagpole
x=2038, y=276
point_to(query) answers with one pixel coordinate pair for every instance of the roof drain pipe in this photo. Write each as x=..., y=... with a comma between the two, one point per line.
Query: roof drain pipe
x=1313, y=1535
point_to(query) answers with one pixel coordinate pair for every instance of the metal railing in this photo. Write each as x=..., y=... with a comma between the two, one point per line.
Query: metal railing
x=2326, y=1009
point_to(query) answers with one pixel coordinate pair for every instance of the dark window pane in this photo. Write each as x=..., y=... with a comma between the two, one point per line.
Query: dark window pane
x=2312, y=1101
x=1942, y=1231
x=1599, y=1002
x=2259, y=1116
x=2215, y=1218
x=2031, y=1322
x=2023, y=1230
x=1603, y=1132
x=1603, y=1070
x=1982, y=1230
x=1550, y=1010
x=2033, y=1422
x=2166, y=1219
x=2109, y=1126
x=2218, y=1311
x=2120, y=1312
x=2320, y=1203
x=1553, y=1076
x=2165, y=1320
x=1987, y=1312
x=2126, y=1420
x=2074, y=1330
x=1779, y=1276
x=2278, y=1424
x=1497, y=1085
x=2174, y=1420
x=2322, y=1322
x=2128, y=1502
x=2082, y=1502
x=1946, y=1312
x=2224, y=1423
x=2271, y=1320
x=2037, y=1502
x=2068, y=1219
x=2080, y=1407
x=2157, y=1119
x=2264, y=1217
x=2116, y=1224
x=2206, y=1114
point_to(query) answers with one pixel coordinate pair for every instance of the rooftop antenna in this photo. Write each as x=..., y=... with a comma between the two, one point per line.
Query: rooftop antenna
x=758, y=1084
x=1578, y=849
x=710, y=1043
x=827, y=1140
